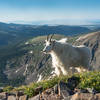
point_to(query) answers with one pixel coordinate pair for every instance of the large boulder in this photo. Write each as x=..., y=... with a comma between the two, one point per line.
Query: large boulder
x=37, y=97
x=83, y=96
x=24, y=97
x=3, y=96
x=11, y=97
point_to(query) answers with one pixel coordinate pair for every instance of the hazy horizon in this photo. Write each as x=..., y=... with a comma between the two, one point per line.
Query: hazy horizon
x=52, y=12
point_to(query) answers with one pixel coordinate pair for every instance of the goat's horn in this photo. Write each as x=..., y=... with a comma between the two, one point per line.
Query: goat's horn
x=51, y=36
x=47, y=37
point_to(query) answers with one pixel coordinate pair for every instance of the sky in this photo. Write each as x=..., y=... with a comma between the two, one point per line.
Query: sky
x=67, y=12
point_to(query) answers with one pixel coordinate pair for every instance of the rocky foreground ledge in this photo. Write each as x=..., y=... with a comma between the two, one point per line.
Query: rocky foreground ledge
x=50, y=95
x=61, y=91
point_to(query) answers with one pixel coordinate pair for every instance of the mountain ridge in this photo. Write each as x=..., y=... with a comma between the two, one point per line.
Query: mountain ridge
x=13, y=33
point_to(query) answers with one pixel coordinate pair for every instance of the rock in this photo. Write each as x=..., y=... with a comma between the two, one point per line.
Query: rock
x=81, y=91
x=91, y=90
x=72, y=82
x=38, y=90
x=97, y=96
x=56, y=89
x=83, y=96
x=12, y=93
x=3, y=96
x=19, y=93
x=35, y=98
x=87, y=90
x=24, y=97
x=49, y=95
x=11, y=98
x=63, y=90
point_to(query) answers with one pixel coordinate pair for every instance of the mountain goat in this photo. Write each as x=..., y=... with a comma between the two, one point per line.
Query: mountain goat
x=66, y=56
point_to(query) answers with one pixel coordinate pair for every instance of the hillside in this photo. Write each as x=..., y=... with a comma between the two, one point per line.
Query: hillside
x=24, y=62
x=14, y=33
x=14, y=60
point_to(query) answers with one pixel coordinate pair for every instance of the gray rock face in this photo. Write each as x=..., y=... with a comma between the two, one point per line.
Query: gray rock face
x=35, y=98
x=24, y=97
x=11, y=98
x=3, y=96
x=92, y=40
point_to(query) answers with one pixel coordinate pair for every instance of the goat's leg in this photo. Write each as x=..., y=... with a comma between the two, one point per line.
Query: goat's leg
x=57, y=71
x=63, y=70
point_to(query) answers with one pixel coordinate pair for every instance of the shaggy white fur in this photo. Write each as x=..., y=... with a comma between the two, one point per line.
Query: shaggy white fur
x=65, y=56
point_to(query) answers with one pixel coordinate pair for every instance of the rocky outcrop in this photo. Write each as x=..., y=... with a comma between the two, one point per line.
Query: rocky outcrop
x=67, y=91
x=92, y=40
x=3, y=96
x=49, y=95
x=13, y=96
x=61, y=91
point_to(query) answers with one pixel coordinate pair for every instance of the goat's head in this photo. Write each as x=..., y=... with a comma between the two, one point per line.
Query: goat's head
x=49, y=44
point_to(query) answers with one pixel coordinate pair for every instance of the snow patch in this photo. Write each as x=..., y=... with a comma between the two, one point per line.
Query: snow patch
x=64, y=40
x=40, y=78
x=26, y=70
x=26, y=43
x=31, y=52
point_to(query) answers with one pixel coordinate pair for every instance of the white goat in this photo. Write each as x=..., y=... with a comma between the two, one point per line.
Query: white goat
x=66, y=56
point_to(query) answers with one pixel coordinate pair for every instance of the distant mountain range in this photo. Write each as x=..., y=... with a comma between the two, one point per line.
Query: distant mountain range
x=13, y=33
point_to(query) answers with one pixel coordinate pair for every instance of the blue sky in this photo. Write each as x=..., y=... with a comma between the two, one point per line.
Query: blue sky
x=50, y=11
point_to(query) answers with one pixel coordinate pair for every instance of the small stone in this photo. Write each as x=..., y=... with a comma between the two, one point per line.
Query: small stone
x=35, y=98
x=1, y=89
x=73, y=82
x=64, y=91
x=3, y=95
x=11, y=98
x=24, y=97
x=81, y=91
x=39, y=89
x=91, y=90
x=97, y=96
x=19, y=93
x=56, y=89
x=83, y=96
